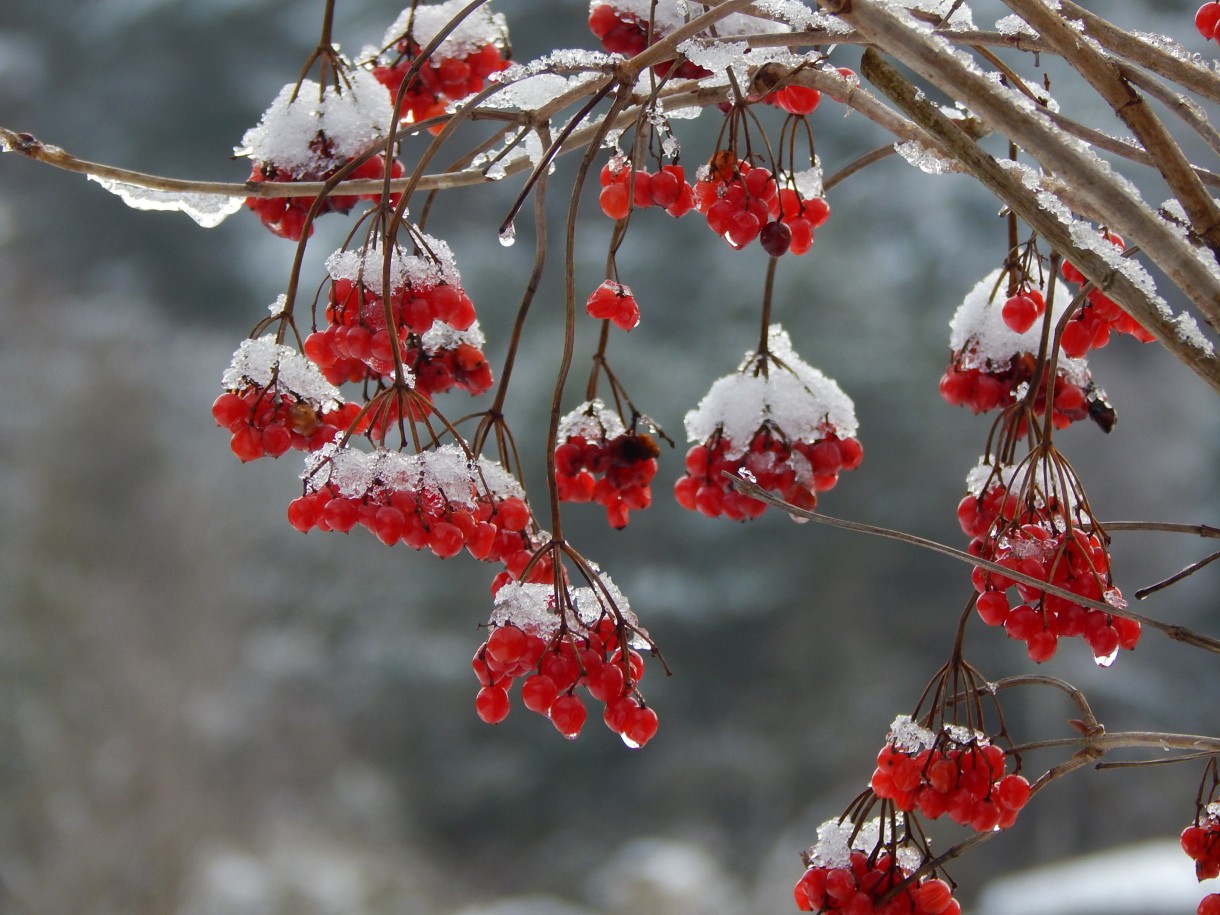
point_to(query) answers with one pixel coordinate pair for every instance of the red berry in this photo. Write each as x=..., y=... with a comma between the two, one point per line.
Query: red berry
x=492, y=704
x=567, y=713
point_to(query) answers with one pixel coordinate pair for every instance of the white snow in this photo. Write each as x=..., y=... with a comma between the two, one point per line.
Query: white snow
x=480, y=28
x=592, y=420
x=209, y=210
x=264, y=361
x=534, y=609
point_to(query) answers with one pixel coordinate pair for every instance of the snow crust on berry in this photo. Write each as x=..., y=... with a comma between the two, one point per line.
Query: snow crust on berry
x=264, y=361
x=364, y=265
x=1014, y=477
x=535, y=608
x=441, y=336
x=798, y=399
x=909, y=737
x=208, y=210
x=480, y=28
x=1213, y=810
x=836, y=843
x=351, y=119
x=808, y=182
x=978, y=332
x=447, y=470
x=591, y=420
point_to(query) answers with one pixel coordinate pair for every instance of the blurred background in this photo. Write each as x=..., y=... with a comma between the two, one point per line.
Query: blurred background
x=203, y=711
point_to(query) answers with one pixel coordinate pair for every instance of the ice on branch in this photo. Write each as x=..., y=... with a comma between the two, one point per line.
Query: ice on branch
x=959, y=19
x=265, y=362
x=1188, y=332
x=474, y=31
x=1014, y=26
x=797, y=398
x=209, y=210
x=924, y=159
x=592, y=420
x=535, y=609
x=986, y=342
x=307, y=128
x=447, y=473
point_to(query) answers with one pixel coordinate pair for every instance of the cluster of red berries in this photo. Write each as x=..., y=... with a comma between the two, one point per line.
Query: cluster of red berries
x=600, y=461
x=1099, y=315
x=624, y=32
x=1201, y=841
x=285, y=216
x=439, y=82
x=956, y=772
x=614, y=302
x=1035, y=539
x=742, y=203
x=857, y=887
x=1207, y=19
x=268, y=422
x=458, y=67
x=439, y=500
x=624, y=188
x=551, y=663
x=796, y=471
x=445, y=358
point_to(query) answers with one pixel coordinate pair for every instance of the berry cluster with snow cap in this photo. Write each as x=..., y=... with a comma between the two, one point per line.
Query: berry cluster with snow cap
x=1201, y=842
x=441, y=500
x=1020, y=518
x=1099, y=315
x=598, y=460
x=624, y=188
x=276, y=400
x=852, y=867
x=555, y=643
x=424, y=289
x=308, y=134
x=776, y=421
x=457, y=68
x=955, y=771
x=994, y=360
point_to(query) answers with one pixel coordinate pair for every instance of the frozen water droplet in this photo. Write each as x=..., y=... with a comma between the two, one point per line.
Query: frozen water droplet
x=1106, y=660
x=508, y=235
x=629, y=742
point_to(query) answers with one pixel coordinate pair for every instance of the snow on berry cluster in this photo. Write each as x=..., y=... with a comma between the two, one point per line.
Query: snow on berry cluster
x=851, y=868
x=457, y=68
x=445, y=358
x=587, y=637
x=1099, y=315
x=994, y=359
x=624, y=187
x=599, y=460
x=275, y=400
x=1020, y=518
x=425, y=291
x=742, y=203
x=1201, y=842
x=956, y=771
x=776, y=421
x=441, y=500
x=309, y=133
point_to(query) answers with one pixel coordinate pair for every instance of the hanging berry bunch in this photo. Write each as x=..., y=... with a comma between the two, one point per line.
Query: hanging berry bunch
x=614, y=302
x=1099, y=315
x=855, y=865
x=777, y=421
x=458, y=67
x=624, y=188
x=1036, y=520
x=956, y=771
x=1201, y=842
x=599, y=460
x=555, y=641
x=276, y=400
x=309, y=133
x=445, y=358
x=995, y=359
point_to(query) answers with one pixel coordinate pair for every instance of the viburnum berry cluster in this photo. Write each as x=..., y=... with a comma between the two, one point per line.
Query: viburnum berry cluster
x=856, y=869
x=275, y=401
x=614, y=302
x=778, y=422
x=600, y=460
x=1099, y=315
x=310, y=133
x=457, y=67
x=744, y=202
x=1024, y=518
x=995, y=360
x=955, y=771
x=556, y=641
x=625, y=188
